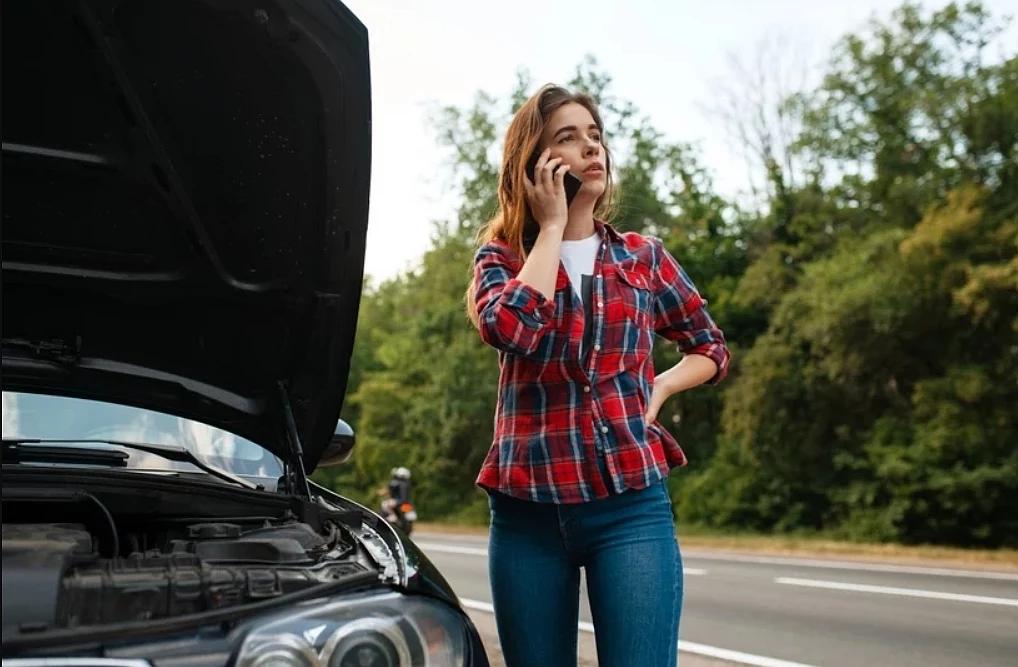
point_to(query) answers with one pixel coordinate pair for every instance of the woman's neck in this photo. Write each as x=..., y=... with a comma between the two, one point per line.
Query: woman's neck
x=580, y=224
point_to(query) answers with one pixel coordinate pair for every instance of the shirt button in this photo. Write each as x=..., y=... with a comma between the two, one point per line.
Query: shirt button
x=586, y=389
x=604, y=429
x=597, y=348
x=600, y=304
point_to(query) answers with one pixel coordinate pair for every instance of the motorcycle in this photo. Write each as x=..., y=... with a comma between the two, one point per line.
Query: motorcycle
x=403, y=516
x=406, y=515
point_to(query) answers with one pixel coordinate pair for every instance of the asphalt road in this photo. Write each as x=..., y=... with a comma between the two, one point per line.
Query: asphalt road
x=786, y=612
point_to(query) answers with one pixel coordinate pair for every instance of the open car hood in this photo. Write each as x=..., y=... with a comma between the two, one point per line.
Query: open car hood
x=185, y=204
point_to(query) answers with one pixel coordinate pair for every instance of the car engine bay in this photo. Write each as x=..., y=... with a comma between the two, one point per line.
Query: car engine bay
x=72, y=560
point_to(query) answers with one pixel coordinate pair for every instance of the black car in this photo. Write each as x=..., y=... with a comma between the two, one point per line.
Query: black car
x=185, y=200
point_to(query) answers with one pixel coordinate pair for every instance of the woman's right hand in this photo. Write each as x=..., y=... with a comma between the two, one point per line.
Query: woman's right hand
x=547, y=193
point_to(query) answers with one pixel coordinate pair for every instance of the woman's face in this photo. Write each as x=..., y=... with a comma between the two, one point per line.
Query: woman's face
x=572, y=135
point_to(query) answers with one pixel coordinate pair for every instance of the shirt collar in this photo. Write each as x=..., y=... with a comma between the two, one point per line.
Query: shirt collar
x=607, y=232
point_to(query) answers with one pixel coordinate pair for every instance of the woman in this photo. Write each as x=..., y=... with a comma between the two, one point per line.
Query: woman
x=576, y=474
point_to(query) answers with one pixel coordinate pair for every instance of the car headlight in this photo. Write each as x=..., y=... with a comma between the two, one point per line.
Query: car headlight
x=390, y=630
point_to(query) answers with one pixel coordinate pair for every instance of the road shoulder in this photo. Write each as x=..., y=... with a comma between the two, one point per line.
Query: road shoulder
x=1000, y=560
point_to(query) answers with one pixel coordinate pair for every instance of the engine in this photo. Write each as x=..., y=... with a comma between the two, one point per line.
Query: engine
x=55, y=577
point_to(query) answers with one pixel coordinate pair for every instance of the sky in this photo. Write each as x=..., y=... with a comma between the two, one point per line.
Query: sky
x=666, y=58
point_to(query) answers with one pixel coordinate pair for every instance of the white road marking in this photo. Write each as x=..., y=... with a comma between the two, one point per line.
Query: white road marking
x=687, y=647
x=478, y=605
x=452, y=549
x=892, y=590
x=852, y=565
x=475, y=551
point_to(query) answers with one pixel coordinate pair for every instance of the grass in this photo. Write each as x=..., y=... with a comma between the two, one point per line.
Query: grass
x=810, y=546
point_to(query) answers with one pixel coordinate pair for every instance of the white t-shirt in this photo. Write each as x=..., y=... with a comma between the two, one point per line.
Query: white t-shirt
x=578, y=259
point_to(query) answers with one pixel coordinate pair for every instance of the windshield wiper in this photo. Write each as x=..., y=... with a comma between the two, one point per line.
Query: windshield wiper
x=169, y=452
x=111, y=458
x=66, y=352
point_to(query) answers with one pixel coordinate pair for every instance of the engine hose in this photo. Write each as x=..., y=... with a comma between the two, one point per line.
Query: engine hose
x=85, y=495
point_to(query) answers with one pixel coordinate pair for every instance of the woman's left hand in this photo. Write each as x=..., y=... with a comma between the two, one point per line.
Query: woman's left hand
x=658, y=396
x=692, y=371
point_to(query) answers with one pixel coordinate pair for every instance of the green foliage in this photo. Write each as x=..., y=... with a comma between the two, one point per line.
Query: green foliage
x=872, y=308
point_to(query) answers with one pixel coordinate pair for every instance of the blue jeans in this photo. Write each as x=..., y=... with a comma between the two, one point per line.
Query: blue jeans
x=627, y=545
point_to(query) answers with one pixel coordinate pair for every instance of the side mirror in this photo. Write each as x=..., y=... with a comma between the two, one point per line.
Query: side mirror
x=340, y=447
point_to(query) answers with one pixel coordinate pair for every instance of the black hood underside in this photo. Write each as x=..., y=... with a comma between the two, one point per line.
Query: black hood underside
x=185, y=200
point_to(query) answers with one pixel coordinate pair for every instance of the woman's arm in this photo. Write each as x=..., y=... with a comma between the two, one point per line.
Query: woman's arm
x=540, y=271
x=546, y=196
x=512, y=316
x=681, y=316
x=691, y=371
x=514, y=312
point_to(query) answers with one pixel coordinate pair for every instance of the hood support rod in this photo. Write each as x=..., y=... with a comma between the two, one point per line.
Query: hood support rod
x=296, y=474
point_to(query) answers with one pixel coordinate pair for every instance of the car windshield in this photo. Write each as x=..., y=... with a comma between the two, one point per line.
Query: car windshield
x=28, y=415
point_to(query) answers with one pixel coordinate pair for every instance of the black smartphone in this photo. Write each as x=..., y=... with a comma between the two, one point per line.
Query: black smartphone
x=571, y=183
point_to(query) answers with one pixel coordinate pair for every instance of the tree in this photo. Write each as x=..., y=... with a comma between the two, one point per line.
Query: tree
x=874, y=403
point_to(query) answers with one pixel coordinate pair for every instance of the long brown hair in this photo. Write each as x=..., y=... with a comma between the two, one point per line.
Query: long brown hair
x=514, y=223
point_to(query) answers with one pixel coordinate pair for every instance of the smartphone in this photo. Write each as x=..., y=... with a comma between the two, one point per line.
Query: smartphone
x=572, y=183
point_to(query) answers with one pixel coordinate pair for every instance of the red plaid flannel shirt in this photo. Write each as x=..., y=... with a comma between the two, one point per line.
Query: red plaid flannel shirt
x=555, y=414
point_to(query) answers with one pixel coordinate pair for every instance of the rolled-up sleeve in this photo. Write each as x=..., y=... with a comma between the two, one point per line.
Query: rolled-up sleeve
x=681, y=314
x=512, y=316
